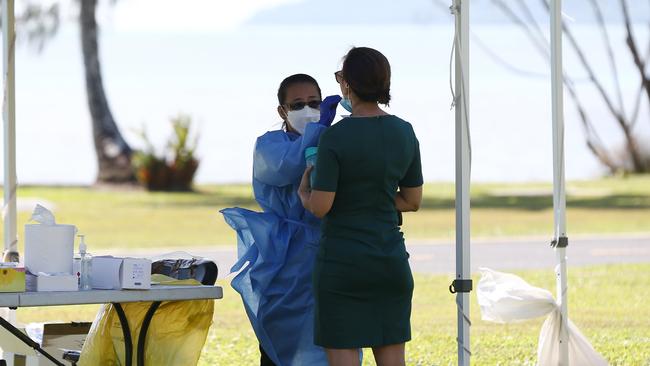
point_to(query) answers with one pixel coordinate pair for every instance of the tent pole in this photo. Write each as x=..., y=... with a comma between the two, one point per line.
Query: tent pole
x=462, y=284
x=560, y=241
x=9, y=122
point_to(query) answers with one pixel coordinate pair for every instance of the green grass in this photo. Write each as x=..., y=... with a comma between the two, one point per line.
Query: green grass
x=137, y=219
x=607, y=303
x=606, y=206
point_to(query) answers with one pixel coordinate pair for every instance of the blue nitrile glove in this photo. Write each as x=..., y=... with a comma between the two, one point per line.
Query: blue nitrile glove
x=328, y=110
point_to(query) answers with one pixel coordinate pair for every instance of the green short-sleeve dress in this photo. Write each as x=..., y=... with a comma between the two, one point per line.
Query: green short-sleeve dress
x=362, y=280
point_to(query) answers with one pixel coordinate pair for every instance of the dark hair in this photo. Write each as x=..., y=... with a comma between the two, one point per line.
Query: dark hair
x=367, y=71
x=293, y=80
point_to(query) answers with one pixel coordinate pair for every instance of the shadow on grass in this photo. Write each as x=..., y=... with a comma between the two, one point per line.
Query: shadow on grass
x=199, y=199
x=537, y=202
x=542, y=202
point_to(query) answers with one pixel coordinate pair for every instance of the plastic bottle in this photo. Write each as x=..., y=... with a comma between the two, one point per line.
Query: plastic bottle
x=310, y=158
x=85, y=266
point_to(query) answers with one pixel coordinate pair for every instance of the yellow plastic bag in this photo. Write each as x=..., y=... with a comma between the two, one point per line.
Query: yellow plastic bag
x=176, y=334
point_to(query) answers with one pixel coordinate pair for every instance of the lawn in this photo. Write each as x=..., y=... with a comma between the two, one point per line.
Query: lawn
x=138, y=219
x=607, y=303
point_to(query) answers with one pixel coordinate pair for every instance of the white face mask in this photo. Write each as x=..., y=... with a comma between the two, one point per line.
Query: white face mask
x=299, y=119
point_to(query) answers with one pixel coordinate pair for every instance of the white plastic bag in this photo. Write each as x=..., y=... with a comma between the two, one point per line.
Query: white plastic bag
x=580, y=350
x=506, y=298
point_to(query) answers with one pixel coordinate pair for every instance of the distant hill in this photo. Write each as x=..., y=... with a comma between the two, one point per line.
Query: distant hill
x=394, y=12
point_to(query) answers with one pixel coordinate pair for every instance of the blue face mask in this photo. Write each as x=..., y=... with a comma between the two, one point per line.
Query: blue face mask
x=345, y=103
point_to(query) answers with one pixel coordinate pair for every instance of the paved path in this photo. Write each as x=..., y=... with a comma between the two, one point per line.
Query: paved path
x=502, y=255
x=527, y=254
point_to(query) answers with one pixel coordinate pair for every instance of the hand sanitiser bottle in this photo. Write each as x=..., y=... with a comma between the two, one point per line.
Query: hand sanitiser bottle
x=85, y=266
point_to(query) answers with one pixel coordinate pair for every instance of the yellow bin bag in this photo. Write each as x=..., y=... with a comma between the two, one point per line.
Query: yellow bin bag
x=176, y=334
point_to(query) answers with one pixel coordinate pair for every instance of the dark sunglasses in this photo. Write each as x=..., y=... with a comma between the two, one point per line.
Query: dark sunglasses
x=338, y=76
x=300, y=105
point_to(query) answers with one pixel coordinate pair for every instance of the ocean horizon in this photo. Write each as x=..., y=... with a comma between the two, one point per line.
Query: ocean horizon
x=227, y=81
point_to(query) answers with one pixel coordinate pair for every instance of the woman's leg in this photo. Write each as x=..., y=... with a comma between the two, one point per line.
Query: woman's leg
x=391, y=355
x=343, y=357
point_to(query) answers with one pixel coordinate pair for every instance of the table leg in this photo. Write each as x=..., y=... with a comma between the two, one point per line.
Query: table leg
x=28, y=341
x=143, y=331
x=128, y=344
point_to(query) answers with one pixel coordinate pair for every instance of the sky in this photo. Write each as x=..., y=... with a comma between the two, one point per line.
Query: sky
x=187, y=15
x=219, y=15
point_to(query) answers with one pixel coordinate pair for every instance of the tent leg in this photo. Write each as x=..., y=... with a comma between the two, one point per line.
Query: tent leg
x=561, y=282
x=559, y=192
x=463, y=283
x=9, y=123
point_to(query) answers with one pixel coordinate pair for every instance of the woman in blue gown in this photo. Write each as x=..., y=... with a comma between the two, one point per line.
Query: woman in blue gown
x=277, y=247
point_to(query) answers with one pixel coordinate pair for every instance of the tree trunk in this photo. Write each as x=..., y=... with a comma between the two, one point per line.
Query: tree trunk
x=113, y=153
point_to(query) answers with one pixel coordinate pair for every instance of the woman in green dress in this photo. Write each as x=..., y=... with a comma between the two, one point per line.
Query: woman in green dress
x=367, y=171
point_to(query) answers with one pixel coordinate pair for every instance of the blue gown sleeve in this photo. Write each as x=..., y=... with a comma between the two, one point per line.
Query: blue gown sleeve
x=280, y=161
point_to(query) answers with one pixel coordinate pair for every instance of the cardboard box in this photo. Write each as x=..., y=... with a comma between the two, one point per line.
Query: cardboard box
x=12, y=279
x=115, y=273
x=54, y=338
x=44, y=283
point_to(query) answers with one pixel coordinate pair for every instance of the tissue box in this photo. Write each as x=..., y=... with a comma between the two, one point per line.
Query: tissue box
x=12, y=279
x=49, y=248
x=59, y=282
x=114, y=273
x=53, y=337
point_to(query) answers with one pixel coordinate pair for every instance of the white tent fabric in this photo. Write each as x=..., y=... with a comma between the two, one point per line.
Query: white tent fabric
x=506, y=298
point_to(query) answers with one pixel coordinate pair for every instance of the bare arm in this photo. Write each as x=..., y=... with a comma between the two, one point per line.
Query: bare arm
x=318, y=203
x=408, y=199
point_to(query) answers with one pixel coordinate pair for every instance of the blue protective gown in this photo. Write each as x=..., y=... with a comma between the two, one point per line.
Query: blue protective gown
x=280, y=245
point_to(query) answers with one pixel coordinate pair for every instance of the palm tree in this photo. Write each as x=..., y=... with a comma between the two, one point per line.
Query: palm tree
x=40, y=22
x=113, y=152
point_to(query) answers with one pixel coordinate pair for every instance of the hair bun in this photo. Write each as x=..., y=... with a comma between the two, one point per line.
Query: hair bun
x=384, y=97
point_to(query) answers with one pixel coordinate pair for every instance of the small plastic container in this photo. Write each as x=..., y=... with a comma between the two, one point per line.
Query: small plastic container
x=311, y=153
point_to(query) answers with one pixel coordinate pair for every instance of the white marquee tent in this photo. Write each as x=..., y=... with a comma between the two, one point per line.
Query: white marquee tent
x=462, y=283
